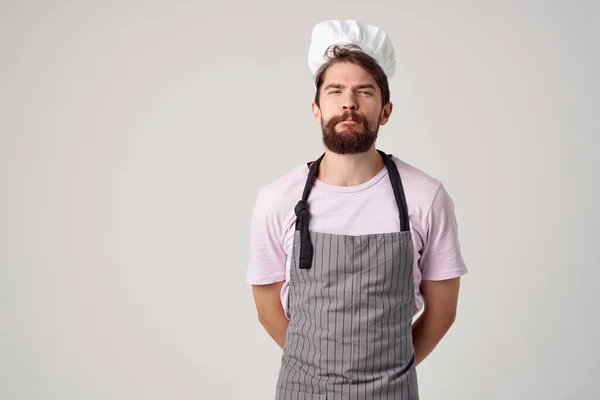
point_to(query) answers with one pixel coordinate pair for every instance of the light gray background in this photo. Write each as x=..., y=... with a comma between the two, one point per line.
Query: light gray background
x=135, y=135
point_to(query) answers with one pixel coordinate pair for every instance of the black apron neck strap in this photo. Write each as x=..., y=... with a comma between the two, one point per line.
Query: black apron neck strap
x=398, y=189
x=312, y=172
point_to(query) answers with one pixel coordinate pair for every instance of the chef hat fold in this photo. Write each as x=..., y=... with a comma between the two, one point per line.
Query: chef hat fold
x=371, y=39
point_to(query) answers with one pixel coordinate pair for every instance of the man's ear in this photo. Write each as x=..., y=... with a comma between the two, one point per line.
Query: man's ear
x=316, y=112
x=385, y=113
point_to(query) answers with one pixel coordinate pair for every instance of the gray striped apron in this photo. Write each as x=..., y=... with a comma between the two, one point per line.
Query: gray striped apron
x=351, y=302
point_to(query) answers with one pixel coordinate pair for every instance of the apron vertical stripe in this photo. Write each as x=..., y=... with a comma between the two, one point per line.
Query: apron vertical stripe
x=302, y=317
x=349, y=316
x=321, y=349
x=354, y=323
x=373, y=354
x=322, y=315
x=407, y=285
x=312, y=350
x=287, y=368
x=300, y=338
x=312, y=304
x=380, y=250
x=369, y=351
x=362, y=333
x=389, y=263
x=394, y=290
x=338, y=299
x=347, y=300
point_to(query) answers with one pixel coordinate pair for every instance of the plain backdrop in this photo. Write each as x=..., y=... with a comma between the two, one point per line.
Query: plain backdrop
x=134, y=137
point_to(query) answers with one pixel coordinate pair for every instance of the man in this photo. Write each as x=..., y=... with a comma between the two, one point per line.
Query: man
x=346, y=250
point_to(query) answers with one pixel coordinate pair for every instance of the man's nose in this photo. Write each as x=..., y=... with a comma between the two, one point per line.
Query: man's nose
x=349, y=104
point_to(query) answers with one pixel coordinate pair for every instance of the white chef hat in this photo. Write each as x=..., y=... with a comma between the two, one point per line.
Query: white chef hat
x=371, y=39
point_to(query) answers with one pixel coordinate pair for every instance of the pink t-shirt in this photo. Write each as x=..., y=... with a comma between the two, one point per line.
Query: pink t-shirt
x=355, y=210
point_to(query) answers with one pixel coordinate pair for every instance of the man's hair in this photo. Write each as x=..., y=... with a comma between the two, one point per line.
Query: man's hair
x=352, y=53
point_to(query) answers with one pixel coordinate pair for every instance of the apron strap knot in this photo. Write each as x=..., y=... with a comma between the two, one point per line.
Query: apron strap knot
x=301, y=208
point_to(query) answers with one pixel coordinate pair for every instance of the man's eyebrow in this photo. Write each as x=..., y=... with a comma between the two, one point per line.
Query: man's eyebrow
x=366, y=86
x=334, y=86
x=340, y=86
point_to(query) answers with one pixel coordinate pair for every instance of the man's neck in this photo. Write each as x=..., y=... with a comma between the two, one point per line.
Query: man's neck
x=349, y=169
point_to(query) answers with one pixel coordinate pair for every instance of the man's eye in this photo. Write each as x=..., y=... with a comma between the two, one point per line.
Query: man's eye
x=334, y=91
x=365, y=92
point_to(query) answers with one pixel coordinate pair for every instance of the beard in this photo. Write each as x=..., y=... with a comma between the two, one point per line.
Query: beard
x=351, y=138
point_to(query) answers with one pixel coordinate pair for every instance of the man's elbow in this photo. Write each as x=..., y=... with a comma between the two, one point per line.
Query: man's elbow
x=267, y=318
x=268, y=303
x=262, y=318
x=450, y=318
x=444, y=319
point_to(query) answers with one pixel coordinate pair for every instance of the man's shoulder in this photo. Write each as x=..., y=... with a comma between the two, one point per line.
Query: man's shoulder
x=283, y=190
x=416, y=181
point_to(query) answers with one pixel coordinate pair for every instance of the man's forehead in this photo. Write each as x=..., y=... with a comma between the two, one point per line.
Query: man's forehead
x=348, y=74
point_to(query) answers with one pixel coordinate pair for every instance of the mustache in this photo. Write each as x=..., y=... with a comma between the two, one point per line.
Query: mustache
x=348, y=114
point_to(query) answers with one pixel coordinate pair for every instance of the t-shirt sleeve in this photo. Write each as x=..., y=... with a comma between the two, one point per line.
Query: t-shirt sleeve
x=267, y=257
x=441, y=256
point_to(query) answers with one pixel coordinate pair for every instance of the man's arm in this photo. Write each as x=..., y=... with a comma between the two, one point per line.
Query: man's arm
x=270, y=310
x=440, y=298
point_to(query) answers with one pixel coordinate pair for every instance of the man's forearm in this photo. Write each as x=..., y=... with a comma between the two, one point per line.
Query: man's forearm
x=427, y=331
x=276, y=326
